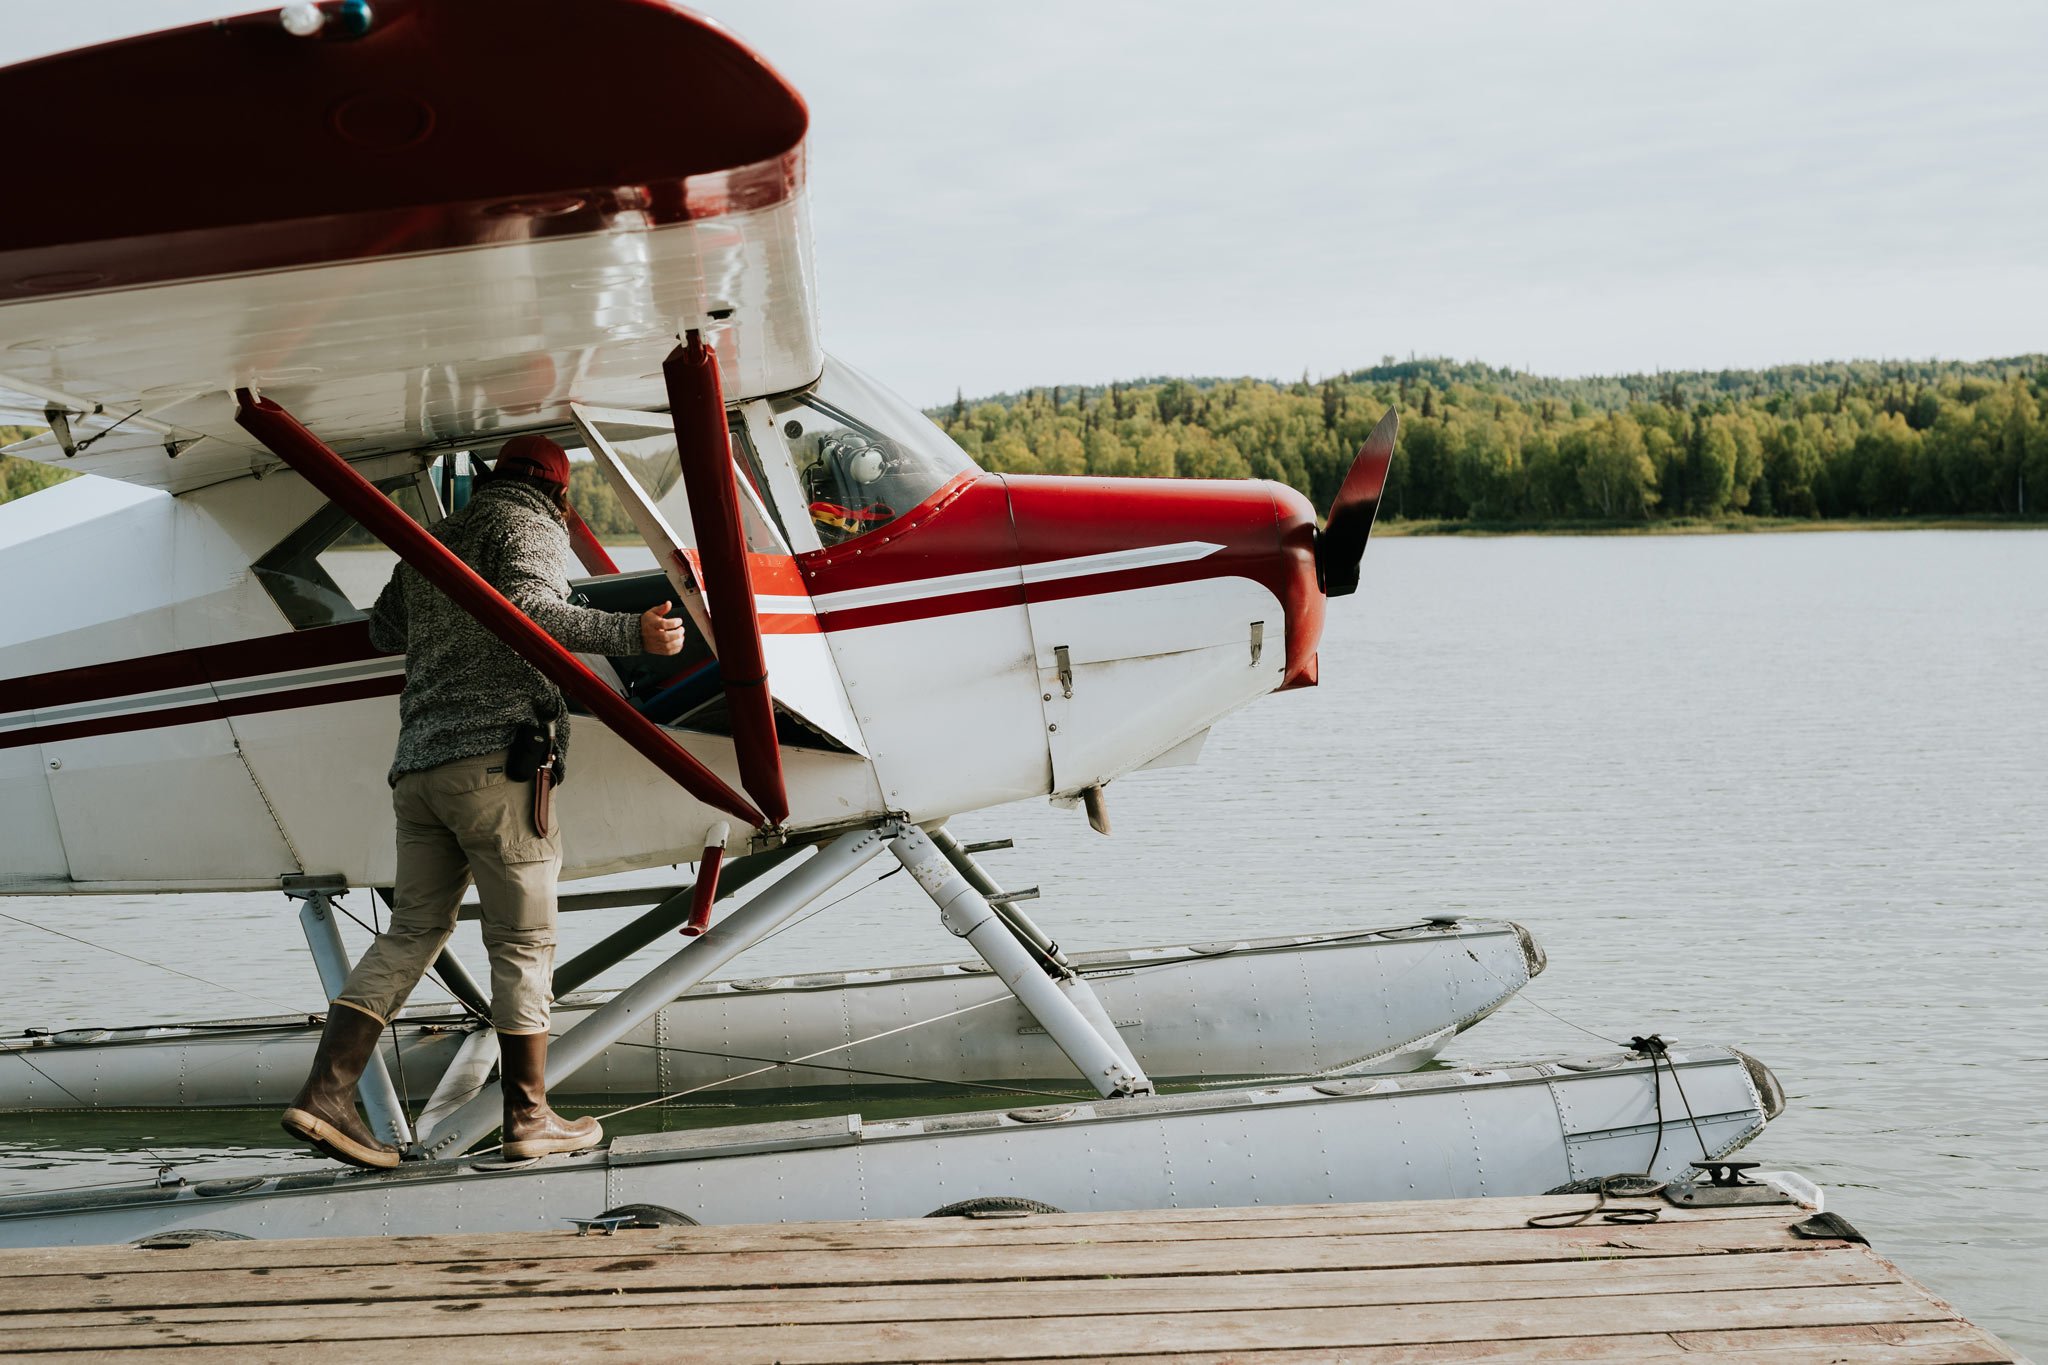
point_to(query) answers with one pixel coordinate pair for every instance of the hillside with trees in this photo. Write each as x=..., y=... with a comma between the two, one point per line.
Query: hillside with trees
x=1487, y=446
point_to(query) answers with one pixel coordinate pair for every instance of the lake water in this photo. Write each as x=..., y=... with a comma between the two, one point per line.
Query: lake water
x=1783, y=791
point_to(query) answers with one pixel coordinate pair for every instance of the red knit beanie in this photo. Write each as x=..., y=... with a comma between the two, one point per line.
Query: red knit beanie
x=533, y=457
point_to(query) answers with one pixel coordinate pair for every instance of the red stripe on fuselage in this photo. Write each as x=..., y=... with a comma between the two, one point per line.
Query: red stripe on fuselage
x=974, y=523
x=1266, y=530
x=290, y=699
x=924, y=608
x=307, y=649
x=303, y=649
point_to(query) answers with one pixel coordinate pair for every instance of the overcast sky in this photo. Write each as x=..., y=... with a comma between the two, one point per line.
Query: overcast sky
x=1009, y=195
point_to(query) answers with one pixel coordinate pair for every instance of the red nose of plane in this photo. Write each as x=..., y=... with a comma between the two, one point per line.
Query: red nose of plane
x=1142, y=533
x=1294, y=520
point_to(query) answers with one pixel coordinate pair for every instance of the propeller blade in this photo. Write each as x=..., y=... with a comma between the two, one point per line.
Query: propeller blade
x=1341, y=543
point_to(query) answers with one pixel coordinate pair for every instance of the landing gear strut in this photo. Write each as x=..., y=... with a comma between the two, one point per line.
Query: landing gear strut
x=1058, y=998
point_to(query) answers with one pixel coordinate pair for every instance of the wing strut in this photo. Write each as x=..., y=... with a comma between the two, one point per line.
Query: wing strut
x=329, y=473
x=704, y=447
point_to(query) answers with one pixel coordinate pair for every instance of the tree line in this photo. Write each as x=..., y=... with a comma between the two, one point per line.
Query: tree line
x=1484, y=445
x=19, y=478
x=1478, y=444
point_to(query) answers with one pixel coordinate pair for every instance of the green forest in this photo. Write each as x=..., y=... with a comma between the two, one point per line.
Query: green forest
x=19, y=478
x=1488, y=447
x=1484, y=448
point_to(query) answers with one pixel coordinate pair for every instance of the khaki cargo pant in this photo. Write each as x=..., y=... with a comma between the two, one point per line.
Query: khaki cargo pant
x=462, y=820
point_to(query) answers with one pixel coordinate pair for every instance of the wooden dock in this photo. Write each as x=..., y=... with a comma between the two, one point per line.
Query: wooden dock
x=1438, y=1281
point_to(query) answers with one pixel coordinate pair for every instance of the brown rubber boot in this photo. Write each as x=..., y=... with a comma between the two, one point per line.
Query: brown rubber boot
x=324, y=1111
x=531, y=1128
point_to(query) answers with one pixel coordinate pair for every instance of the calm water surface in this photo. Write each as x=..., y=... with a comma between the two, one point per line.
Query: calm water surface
x=1788, y=792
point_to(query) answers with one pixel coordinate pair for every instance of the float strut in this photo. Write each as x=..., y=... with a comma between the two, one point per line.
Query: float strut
x=615, y=947
x=967, y=913
x=695, y=960
x=323, y=937
x=1020, y=923
x=1071, y=983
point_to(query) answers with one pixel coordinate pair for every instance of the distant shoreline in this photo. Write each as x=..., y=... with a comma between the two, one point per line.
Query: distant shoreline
x=1698, y=526
x=1678, y=526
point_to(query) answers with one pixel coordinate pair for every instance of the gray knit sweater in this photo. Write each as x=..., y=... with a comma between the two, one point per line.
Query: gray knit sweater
x=465, y=690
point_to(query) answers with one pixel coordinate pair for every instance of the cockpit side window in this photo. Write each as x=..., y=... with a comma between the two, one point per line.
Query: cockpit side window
x=863, y=456
x=329, y=569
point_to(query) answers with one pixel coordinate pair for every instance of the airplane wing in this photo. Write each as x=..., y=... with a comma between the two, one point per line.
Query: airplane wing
x=436, y=233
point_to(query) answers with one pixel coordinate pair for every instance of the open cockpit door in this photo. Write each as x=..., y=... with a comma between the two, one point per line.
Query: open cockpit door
x=636, y=451
x=614, y=435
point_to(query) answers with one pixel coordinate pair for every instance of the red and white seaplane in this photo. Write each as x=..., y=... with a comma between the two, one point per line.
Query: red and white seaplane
x=344, y=255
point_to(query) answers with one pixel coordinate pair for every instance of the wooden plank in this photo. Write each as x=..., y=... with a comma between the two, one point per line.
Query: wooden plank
x=1462, y=1280
x=1102, y=1300
x=1965, y=1339
x=1828, y=1348
x=624, y=1271
x=1913, y=1343
x=1836, y=1265
x=1130, y=1225
x=1559, y=1324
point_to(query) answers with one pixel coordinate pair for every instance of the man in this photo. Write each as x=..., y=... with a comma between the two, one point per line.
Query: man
x=462, y=815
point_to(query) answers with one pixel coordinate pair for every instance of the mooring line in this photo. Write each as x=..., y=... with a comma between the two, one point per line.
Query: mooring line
x=800, y=919
x=795, y=1061
x=1520, y=994
x=426, y=978
x=990, y=1086
x=161, y=1164
x=246, y=995
x=403, y=1096
x=1134, y=969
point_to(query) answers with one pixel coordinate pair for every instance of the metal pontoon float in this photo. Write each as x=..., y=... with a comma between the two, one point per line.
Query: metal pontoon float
x=1367, y=1002
x=1516, y=1130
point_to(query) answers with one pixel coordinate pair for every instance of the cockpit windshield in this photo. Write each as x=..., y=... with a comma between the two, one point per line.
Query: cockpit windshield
x=863, y=456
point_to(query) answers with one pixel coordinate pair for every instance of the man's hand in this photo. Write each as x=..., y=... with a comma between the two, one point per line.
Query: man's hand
x=659, y=633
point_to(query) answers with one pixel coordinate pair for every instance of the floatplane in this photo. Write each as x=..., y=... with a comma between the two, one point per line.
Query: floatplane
x=344, y=258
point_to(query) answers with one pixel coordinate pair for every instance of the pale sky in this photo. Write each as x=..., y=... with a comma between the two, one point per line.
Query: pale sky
x=1059, y=192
